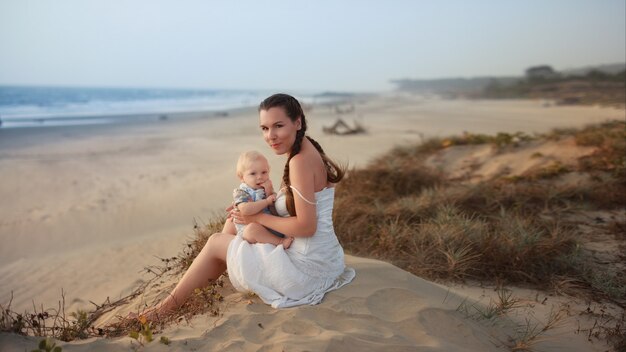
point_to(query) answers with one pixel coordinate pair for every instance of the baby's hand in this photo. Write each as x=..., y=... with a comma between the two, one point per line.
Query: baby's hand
x=268, y=187
x=271, y=198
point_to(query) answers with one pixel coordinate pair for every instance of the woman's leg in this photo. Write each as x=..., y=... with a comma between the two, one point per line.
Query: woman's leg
x=208, y=265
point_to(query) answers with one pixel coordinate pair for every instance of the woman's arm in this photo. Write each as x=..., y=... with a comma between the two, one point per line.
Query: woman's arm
x=304, y=224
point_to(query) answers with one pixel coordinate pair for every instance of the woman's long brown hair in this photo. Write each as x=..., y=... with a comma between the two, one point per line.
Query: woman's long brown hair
x=294, y=111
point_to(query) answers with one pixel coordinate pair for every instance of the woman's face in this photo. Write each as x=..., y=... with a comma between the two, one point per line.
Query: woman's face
x=279, y=131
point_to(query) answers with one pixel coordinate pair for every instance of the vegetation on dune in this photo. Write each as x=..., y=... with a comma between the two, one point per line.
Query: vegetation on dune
x=512, y=230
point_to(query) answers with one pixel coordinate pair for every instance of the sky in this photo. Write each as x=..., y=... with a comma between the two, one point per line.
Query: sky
x=300, y=45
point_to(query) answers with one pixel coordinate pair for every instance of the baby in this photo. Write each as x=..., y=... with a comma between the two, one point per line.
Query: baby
x=250, y=198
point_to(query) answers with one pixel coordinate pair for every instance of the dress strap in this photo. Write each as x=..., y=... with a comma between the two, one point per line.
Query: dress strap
x=301, y=196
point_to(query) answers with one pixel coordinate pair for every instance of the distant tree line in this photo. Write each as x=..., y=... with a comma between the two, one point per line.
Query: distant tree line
x=545, y=79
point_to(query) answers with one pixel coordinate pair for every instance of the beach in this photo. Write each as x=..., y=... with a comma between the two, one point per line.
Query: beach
x=86, y=208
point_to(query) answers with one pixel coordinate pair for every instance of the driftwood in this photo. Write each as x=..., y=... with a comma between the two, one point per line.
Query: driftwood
x=340, y=127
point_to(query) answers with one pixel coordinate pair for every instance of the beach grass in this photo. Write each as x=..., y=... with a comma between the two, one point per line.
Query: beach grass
x=510, y=230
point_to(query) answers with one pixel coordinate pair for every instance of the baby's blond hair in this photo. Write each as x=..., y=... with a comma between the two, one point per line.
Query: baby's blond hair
x=246, y=158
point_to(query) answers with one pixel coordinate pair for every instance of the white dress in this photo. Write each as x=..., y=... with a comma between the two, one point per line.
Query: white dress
x=299, y=275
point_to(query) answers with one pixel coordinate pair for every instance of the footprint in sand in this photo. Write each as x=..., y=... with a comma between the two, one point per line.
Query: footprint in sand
x=259, y=307
x=449, y=326
x=384, y=304
x=353, y=305
x=363, y=326
x=38, y=214
x=300, y=327
x=351, y=343
x=259, y=328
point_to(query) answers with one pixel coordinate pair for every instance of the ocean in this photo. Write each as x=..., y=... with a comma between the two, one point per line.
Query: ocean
x=22, y=106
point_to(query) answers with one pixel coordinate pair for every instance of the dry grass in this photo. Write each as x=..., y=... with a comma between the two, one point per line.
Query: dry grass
x=495, y=309
x=530, y=334
x=606, y=327
x=456, y=232
x=512, y=231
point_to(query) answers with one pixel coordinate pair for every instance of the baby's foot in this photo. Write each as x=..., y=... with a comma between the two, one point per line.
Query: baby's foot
x=287, y=242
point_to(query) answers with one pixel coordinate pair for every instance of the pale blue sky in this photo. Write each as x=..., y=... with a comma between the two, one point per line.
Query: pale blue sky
x=298, y=45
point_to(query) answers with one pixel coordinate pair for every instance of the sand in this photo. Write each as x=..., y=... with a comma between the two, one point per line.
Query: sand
x=475, y=163
x=384, y=309
x=85, y=209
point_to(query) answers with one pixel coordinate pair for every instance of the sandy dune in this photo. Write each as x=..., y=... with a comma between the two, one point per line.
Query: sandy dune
x=384, y=309
x=486, y=161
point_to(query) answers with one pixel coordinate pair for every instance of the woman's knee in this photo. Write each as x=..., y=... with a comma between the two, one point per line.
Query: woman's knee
x=217, y=244
x=215, y=239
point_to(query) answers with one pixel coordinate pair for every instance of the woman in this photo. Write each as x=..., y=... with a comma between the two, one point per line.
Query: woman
x=314, y=264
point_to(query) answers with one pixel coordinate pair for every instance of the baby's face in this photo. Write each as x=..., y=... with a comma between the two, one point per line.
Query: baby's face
x=256, y=174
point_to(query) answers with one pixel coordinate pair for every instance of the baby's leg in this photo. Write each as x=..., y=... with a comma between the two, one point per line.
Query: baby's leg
x=255, y=233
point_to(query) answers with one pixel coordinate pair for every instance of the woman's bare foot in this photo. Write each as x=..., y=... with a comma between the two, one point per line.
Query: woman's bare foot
x=150, y=314
x=286, y=242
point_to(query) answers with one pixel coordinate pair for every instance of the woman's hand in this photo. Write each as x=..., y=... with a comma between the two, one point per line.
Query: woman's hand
x=239, y=218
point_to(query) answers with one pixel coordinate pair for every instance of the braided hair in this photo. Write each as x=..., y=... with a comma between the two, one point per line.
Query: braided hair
x=294, y=111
